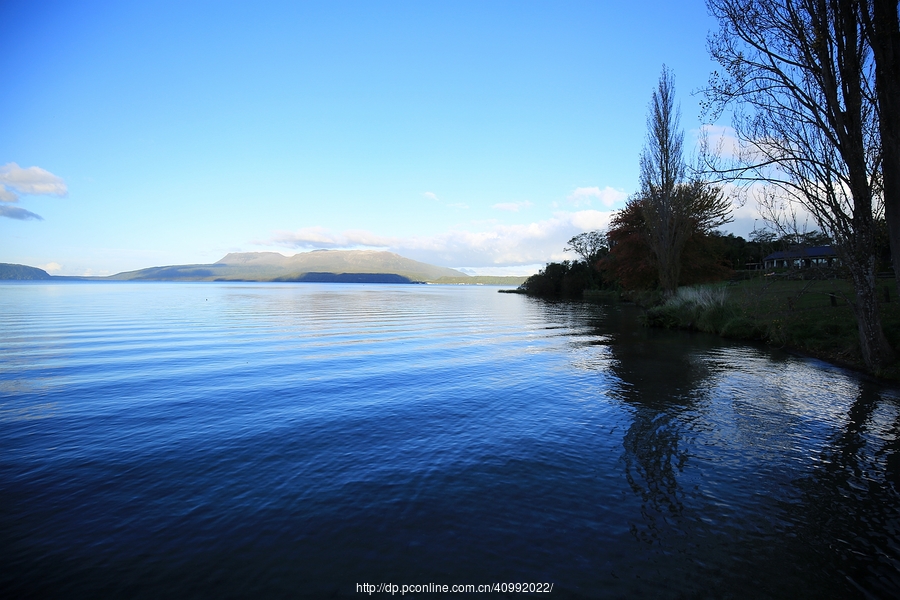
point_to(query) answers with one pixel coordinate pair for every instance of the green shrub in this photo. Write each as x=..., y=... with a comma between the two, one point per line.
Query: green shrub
x=703, y=308
x=743, y=328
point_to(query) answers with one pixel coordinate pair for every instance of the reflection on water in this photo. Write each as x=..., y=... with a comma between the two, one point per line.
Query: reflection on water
x=849, y=506
x=293, y=440
x=793, y=462
x=663, y=384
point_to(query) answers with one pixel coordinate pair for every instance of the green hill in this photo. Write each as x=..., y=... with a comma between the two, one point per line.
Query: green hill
x=22, y=272
x=378, y=266
x=339, y=266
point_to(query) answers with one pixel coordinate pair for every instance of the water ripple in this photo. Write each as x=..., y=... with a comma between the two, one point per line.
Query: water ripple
x=296, y=439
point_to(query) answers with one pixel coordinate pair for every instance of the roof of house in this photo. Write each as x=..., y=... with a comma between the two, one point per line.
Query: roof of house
x=813, y=252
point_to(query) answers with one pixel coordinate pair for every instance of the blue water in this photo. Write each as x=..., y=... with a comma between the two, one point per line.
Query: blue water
x=222, y=440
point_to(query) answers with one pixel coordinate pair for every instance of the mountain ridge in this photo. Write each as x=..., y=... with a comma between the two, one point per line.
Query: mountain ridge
x=14, y=272
x=269, y=266
x=340, y=266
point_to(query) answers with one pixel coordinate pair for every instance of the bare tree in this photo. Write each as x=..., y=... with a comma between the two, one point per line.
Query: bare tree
x=588, y=245
x=798, y=78
x=673, y=208
x=662, y=170
x=591, y=246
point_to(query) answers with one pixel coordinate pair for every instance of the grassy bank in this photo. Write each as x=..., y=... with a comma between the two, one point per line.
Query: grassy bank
x=810, y=317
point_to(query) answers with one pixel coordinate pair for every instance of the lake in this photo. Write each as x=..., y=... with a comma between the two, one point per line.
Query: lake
x=219, y=440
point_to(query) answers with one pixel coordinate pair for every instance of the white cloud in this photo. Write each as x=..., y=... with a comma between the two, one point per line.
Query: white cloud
x=7, y=196
x=359, y=237
x=33, y=180
x=748, y=214
x=608, y=196
x=516, y=271
x=319, y=237
x=311, y=237
x=431, y=196
x=512, y=206
x=495, y=246
x=52, y=267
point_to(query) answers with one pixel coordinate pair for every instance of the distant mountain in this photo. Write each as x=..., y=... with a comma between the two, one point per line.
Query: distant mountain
x=318, y=265
x=339, y=266
x=22, y=272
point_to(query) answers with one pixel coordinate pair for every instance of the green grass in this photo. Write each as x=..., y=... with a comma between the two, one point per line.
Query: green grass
x=812, y=317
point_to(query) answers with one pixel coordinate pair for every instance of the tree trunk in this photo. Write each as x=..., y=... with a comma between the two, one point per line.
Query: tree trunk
x=659, y=219
x=876, y=352
x=667, y=225
x=884, y=37
x=804, y=67
x=892, y=206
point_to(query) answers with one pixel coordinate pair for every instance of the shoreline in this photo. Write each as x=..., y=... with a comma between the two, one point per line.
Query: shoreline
x=812, y=319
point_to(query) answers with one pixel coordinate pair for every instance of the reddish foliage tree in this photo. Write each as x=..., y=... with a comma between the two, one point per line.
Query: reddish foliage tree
x=631, y=261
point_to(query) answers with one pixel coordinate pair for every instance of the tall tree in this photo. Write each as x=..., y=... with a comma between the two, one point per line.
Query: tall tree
x=673, y=208
x=882, y=29
x=662, y=170
x=798, y=78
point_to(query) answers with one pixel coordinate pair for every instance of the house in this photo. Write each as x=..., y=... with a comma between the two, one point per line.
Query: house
x=801, y=258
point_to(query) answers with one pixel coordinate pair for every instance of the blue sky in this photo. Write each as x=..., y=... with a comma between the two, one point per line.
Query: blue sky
x=472, y=135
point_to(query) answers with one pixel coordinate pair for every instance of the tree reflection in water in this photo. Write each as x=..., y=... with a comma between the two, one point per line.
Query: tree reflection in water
x=653, y=454
x=756, y=471
x=662, y=383
x=849, y=509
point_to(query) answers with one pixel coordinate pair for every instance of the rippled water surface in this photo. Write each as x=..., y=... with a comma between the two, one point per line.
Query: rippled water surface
x=295, y=440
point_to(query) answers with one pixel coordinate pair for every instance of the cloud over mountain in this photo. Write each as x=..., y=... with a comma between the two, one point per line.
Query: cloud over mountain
x=496, y=246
